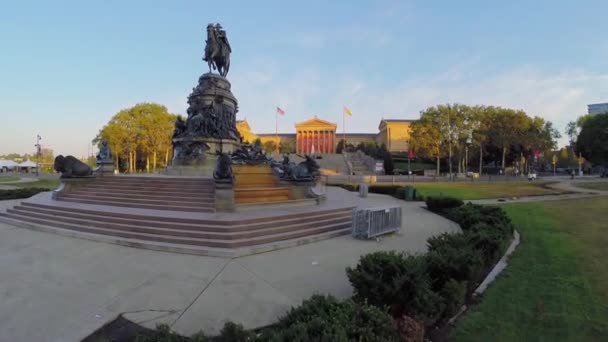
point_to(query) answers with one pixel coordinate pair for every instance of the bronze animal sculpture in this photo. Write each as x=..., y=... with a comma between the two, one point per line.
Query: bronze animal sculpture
x=70, y=167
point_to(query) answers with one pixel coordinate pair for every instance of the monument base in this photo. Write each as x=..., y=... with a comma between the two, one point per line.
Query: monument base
x=105, y=167
x=202, y=153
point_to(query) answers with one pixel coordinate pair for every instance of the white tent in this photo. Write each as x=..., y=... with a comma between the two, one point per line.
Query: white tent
x=7, y=164
x=27, y=163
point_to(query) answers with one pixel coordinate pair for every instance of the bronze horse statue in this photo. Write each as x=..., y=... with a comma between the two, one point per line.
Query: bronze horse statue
x=217, y=50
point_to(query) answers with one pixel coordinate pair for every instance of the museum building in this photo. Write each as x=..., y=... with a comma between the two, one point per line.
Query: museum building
x=320, y=136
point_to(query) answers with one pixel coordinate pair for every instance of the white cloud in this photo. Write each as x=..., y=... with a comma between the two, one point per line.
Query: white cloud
x=559, y=97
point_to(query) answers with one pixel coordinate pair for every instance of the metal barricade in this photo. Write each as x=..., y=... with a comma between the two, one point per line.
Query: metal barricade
x=371, y=222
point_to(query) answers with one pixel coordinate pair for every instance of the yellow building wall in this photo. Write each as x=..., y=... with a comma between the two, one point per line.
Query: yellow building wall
x=245, y=132
x=395, y=135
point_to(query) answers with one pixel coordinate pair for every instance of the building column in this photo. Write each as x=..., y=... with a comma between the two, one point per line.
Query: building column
x=325, y=141
x=298, y=142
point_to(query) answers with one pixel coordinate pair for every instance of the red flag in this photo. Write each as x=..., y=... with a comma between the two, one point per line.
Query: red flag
x=410, y=154
x=280, y=111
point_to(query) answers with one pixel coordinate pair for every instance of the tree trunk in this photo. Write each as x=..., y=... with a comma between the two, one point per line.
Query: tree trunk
x=135, y=161
x=154, y=161
x=504, y=156
x=437, y=166
x=450, y=160
x=147, y=163
x=130, y=162
x=480, y=159
x=167, y=157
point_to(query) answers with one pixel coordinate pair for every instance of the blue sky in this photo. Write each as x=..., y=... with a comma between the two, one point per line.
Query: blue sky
x=67, y=66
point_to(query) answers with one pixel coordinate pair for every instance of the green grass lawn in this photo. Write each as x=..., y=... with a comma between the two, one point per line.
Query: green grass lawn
x=556, y=285
x=46, y=183
x=594, y=185
x=4, y=179
x=480, y=190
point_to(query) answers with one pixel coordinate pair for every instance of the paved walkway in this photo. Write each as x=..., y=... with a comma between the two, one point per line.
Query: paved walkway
x=54, y=288
x=563, y=185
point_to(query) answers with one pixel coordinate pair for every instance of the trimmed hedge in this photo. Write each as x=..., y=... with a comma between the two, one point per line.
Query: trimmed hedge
x=440, y=204
x=20, y=193
x=433, y=286
x=397, y=281
x=325, y=318
x=396, y=191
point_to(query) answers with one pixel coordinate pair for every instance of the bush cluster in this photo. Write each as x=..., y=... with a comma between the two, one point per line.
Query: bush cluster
x=442, y=203
x=397, y=191
x=395, y=294
x=19, y=193
x=325, y=318
x=433, y=286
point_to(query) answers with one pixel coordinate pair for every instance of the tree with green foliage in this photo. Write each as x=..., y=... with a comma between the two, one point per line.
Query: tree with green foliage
x=142, y=130
x=270, y=146
x=426, y=138
x=592, y=141
x=286, y=146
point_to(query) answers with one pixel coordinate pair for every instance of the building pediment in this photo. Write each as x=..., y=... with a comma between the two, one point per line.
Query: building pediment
x=316, y=122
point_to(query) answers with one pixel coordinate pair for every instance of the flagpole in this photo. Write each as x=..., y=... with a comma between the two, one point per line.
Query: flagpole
x=276, y=129
x=343, y=130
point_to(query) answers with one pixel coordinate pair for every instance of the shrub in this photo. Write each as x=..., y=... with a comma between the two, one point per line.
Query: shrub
x=384, y=189
x=232, y=332
x=453, y=295
x=350, y=187
x=440, y=204
x=162, y=333
x=19, y=193
x=409, y=329
x=397, y=281
x=325, y=318
x=452, y=257
x=489, y=241
x=470, y=214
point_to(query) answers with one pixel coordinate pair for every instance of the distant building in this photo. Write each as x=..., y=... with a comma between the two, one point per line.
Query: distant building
x=597, y=108
x=321, y=136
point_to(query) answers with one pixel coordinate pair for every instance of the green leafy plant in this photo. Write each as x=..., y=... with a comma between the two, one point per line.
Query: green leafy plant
x=325, y=318
x=440, y=204
x=397, y=281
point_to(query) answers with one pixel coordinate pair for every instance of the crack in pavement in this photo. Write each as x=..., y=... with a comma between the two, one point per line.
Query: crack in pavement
x=201, y=292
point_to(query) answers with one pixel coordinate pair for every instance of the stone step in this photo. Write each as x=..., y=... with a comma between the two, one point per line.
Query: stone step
x=150, y=187
x=152, y=195
x=131, y=179
x=139, y=200
x=180, y=240
x=179, y=248
x=154, y=222
x=194, y=221
x=206, y=209
x=260, y=192
x=262, y=199
x=196, y=198
x=150, y=191
x=202, y=233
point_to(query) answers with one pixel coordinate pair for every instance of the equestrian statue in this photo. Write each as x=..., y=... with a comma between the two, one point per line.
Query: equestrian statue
x=217, y=49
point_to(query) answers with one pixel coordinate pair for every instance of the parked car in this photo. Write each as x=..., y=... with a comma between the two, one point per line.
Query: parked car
x=532, y=176
x=604, y=174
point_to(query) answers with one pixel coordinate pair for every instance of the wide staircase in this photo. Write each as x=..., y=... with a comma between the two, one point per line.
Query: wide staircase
x=189, y=234
x=257, y=184
x=360, y=163
x=160, y=193
x=331, y=164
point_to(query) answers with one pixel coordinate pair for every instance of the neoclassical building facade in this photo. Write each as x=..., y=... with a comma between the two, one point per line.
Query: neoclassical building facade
x=320, y=137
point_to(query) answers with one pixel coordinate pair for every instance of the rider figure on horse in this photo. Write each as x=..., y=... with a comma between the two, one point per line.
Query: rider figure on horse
x=217, y=49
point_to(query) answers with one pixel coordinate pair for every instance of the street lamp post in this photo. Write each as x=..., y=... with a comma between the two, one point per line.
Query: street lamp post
x=38, y=152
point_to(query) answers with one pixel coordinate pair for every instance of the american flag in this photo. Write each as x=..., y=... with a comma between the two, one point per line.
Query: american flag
x=280, y=111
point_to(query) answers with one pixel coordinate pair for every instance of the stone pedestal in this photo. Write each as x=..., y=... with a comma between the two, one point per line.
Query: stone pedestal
x=224, y=197
x=210, y=127
x=106, y=167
